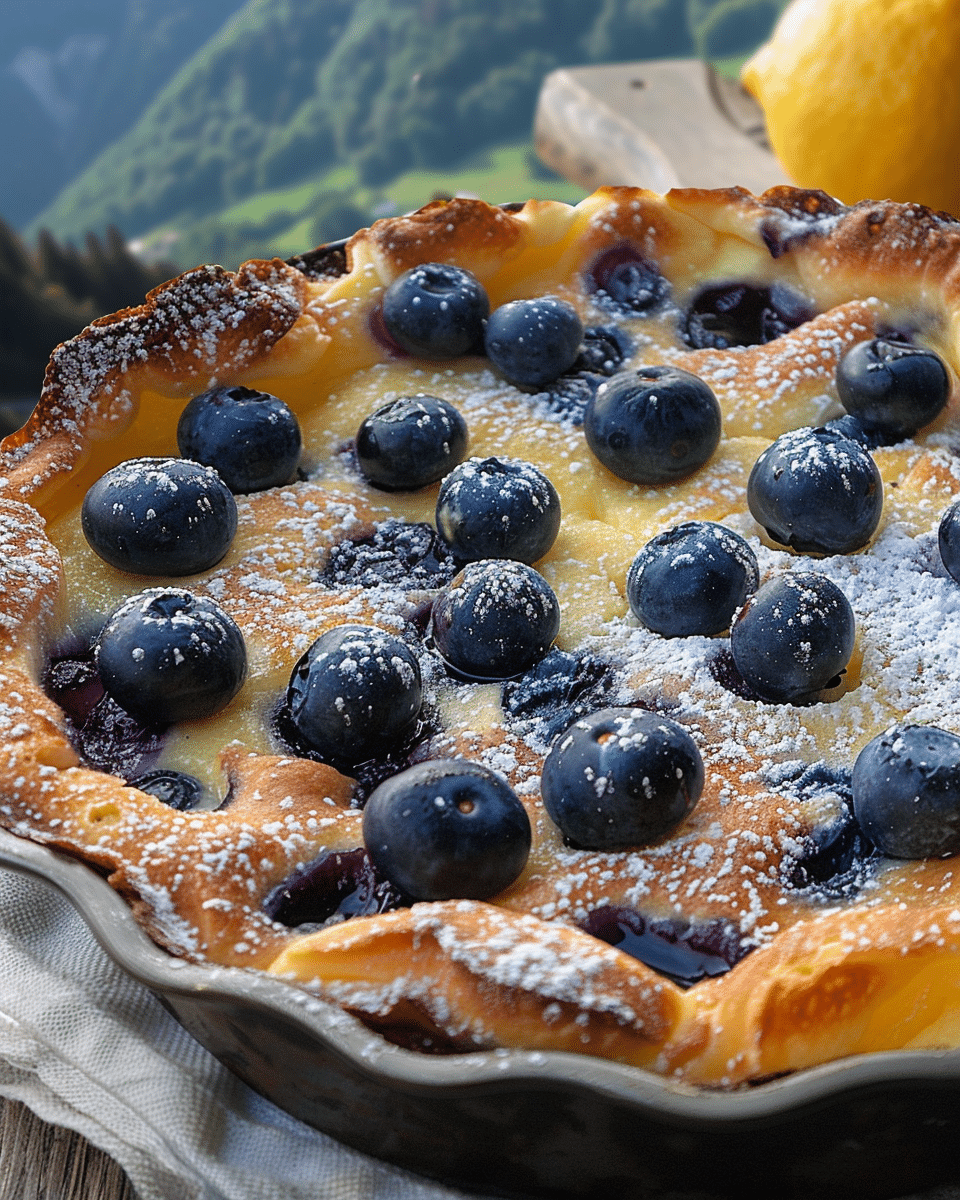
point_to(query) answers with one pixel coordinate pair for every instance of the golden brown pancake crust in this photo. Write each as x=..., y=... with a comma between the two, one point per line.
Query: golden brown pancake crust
x=821, y=976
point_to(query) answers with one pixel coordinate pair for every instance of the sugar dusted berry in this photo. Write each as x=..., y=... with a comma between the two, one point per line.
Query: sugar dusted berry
x=498, y=508
x=167, y=655
x=447, y=829
x=817, y=492
x=794, y=637
x=621, y=777
x=160, y=516
x=495, y=620
x=691, y=579
x=532, y=342
x=892, y=386
x=436, y=310
x=906, y=791
x=626, y=282
x=653, y=425
x=251, y=438
x=355, y=693
x=410, y=442
x=948, y=540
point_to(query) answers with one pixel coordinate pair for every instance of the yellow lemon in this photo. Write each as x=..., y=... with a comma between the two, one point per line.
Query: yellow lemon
x=862, y=98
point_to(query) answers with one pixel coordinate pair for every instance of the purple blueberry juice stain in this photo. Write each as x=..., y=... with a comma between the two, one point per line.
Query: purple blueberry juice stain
x=681, y=950
x=340, y=883
x=105, y=737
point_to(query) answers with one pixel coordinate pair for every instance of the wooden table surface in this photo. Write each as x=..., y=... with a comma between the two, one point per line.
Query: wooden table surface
x=39, y=1161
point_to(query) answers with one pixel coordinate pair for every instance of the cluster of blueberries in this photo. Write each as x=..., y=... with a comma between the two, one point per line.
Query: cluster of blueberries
x=613, y=778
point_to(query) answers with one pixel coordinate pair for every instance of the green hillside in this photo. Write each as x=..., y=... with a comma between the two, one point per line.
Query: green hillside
x=347, y=96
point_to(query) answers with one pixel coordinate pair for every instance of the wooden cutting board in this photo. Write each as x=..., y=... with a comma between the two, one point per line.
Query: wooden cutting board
x=657, y=124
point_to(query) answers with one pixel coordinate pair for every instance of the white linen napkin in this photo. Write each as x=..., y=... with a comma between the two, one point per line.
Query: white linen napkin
x=85, y=1047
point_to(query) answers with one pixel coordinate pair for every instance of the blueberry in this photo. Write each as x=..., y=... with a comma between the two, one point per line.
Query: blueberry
x=906, y=791
x=853, y=428
x=436, y=310
x=166, y=655
x=558, y=689
x=495, y=620
x=676, y=947
x=498, y=508
x=251, y=438
x=626, y=282
x=355, y=692
x=407, y=555
x=411, y=442
x=793, y=637
x=742, y=314
x=175, y=788
x=621, y=777
x=816, y=491
x=604, y=350
x=447, y=829
x=160, y=516
x=602, y=353
x=834, y=855
x=691, y=579
x=532, y=342
x=653, y=425
x=341, y=883
x=948, y=538
x=892, y=386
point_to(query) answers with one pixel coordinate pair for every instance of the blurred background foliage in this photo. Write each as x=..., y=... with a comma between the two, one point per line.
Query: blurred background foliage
x=218, y=130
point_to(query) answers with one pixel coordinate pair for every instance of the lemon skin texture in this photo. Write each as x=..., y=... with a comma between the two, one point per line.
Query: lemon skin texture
x=862, y=98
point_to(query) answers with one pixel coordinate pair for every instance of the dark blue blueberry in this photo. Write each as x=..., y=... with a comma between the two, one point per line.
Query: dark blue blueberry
x=557, y=690
x=817, y=492
x=679, y=949
x=356, y=692
x=948, y=539
x=906, y=791
x=569, y=395
x=602, y=353
x=621, y=777
x=175, y=788
x=160, y=516
x=852, y=428
x=411, y=442
x=627, y=283
x=338, y=883
x=498, y=508
x=834, y=856
x=793, y=637
x=532, y=342
x=251, y=438
x=166, y=655
x=400, y=554
x=105, y=736
x=495, y=620
x=73, y=682
x=603, y=350
x=742, y=314
x=447, y=829
x=653, y=425
x=691, y=579
x=892, y=386
x=436, y=310
x=112, y=740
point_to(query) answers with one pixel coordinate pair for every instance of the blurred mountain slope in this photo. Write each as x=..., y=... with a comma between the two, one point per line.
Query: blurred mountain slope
x=76, y=74
x=289, y=88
